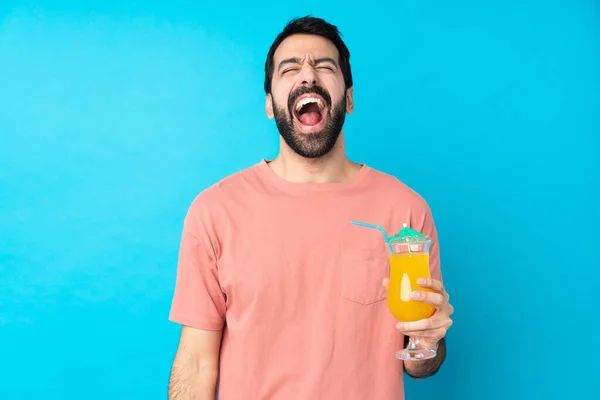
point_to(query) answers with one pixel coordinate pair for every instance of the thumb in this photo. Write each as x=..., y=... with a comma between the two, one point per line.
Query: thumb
x=386, y=283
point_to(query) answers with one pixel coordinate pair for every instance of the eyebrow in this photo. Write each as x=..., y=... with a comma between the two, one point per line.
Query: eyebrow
x=296, y=60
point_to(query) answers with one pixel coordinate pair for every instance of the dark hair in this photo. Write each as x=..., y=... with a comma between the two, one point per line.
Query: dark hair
x=311, y=26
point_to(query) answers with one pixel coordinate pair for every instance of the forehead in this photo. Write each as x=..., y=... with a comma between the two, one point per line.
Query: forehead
x=300, y=45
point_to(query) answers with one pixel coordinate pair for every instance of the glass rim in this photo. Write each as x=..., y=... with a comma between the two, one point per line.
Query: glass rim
x=410, y=242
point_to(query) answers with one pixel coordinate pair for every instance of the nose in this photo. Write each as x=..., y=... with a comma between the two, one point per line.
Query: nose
x=308, y=76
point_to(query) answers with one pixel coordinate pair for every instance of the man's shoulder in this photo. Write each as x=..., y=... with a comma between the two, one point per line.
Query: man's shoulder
x=227, y=188
x=394, y=188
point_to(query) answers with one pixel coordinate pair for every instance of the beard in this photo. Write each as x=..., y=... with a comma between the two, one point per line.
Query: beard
x=315, y=144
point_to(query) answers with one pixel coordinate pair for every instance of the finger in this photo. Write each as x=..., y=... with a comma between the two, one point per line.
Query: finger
x=416, y=326
x=430, y=335
x=386, y=283
x=431, y=284
x=435, y=299
x=427, y=324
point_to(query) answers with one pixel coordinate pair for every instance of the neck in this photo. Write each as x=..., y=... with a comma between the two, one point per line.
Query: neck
x=332, y=167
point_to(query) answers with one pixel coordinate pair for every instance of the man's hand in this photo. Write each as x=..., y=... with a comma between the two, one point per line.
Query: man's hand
x=430, y=330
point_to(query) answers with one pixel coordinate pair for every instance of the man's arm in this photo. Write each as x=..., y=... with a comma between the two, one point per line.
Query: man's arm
x=196, y=365
x=426, y=368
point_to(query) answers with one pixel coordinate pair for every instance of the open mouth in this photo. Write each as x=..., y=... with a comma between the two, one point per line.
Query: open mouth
x=310, y=110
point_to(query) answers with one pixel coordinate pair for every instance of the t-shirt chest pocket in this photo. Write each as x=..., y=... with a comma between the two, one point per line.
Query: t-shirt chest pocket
x=361, y=274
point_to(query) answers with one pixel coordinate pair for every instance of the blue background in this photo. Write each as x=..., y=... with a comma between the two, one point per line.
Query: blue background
x=113, y=116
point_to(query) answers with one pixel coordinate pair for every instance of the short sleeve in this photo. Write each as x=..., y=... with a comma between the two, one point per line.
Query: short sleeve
x=198, y=300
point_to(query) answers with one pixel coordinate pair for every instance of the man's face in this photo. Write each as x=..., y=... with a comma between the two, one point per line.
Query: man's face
x=308, y=97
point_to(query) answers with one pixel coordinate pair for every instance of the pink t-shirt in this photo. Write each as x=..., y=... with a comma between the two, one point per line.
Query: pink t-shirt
x=296, y=286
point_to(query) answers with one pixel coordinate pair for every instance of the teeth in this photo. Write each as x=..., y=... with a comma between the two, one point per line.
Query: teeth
x=307, y=100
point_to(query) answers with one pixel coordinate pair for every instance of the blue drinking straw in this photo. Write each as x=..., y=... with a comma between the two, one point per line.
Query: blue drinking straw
x=379, y=228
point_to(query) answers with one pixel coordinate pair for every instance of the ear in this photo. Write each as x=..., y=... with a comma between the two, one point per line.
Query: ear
x=349, y=100
x=269, y=106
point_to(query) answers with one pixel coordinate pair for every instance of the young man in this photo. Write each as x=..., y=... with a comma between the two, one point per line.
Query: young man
x=278, y=294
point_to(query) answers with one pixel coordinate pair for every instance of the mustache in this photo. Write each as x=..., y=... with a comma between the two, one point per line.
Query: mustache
x=305, y=90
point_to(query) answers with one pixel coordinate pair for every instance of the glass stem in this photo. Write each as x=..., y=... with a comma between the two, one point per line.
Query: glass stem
x=413, y=342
